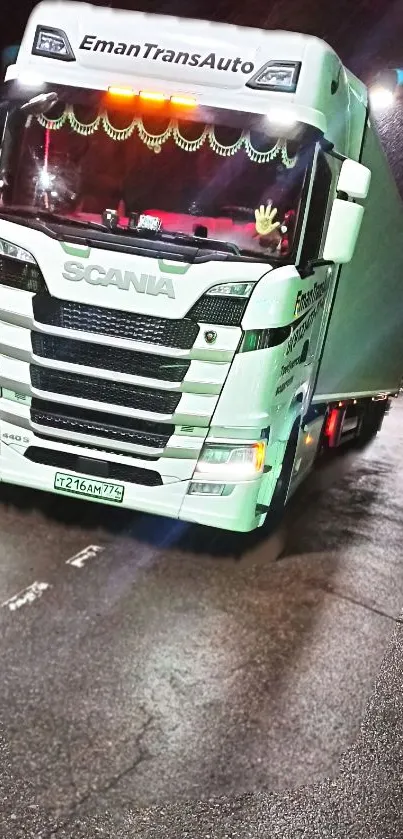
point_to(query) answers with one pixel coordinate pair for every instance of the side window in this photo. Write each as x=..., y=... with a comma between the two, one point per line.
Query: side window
x=317, y=214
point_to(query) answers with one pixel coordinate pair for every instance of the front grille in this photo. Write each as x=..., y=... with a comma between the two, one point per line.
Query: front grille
x=120, y=360
x=67, y=314
x=227, y=311
x=99, y=424
x=101, y=390
x=98, y=448
x=83, y=465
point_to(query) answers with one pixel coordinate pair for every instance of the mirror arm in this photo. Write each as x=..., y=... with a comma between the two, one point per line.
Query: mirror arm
x=309, y=269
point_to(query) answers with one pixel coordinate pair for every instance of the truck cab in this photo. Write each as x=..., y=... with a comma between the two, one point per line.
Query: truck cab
x=176, y=200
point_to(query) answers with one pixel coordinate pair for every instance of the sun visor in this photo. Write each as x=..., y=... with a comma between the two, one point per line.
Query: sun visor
x=114, y=44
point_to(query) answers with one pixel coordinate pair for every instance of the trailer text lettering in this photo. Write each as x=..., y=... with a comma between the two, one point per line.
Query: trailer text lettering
x=305, y=299
x=301, y=330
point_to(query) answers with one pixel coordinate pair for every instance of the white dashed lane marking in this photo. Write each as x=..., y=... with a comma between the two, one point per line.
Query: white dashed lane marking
x=35, y=590
x=26, y=596
x=90, y=552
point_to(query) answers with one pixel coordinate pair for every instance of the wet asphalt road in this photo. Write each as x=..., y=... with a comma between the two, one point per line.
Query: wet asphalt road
x=166, y=670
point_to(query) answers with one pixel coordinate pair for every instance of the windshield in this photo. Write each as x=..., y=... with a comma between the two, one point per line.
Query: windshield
x=204, y=179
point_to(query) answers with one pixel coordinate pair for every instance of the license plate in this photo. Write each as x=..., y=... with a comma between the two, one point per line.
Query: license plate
x=88, y=487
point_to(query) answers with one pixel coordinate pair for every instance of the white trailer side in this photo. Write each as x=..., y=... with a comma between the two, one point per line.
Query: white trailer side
x=363, y=350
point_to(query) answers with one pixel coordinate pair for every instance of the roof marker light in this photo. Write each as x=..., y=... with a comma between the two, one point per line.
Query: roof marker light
x=152, y=96
x=184, y=101
x=126, y=92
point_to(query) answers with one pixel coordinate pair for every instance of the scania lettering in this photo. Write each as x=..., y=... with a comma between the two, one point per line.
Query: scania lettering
x=200, y=264
x=97, y=275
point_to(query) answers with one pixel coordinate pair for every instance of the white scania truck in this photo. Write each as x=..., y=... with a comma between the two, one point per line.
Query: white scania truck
x=201, y=263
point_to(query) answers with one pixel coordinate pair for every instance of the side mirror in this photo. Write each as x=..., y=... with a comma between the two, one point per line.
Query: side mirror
x=342, y=234
x=354, y=179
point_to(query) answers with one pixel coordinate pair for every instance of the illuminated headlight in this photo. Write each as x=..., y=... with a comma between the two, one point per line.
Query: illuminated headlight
x=52, y=43
x=233, y=462
x=19, y=269
x=231, y=290
x=277, y=75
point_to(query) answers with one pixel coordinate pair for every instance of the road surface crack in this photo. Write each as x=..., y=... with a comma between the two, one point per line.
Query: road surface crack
x=142, y=756
x=355, y=602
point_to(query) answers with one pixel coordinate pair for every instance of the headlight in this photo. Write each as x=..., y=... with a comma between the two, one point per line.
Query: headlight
x=232, y=462
x=52, y=43
x=277, y=75
x=15, y=252
x=19, y=269
x=222, y=304
x=231, y=290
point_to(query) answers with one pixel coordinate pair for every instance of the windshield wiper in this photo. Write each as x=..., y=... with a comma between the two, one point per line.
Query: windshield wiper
x=258, y=256
x=197, y=241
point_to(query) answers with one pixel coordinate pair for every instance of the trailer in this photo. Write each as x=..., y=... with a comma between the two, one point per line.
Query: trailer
x=200, y=263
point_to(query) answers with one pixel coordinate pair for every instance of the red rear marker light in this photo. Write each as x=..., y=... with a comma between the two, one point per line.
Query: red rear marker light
x=331, y=422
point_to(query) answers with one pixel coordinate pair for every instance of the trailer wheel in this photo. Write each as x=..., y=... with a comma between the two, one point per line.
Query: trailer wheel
x=372, y=421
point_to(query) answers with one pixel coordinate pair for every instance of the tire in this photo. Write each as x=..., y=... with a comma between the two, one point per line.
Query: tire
x=371, y=422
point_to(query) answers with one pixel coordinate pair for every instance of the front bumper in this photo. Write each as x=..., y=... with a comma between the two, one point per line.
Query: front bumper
x=236, y=511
